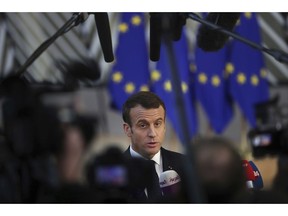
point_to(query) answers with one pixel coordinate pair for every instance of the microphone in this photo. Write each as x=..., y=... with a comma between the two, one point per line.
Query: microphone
x=177, y=21
x=169, y=182
x=250, y=177
x=164, y=23
x=258, y=182
x=155, y=35
x=104, y=33
x=210, y=39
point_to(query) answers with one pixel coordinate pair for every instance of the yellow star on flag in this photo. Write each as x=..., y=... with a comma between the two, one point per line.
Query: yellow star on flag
x=229, y=68
x=117, y=77
x=192, y=67
x=184, y=87
x=129, y=88
x=248, y=15
x=168, y=86
x=241, y=78
x=136, y=20
x=263, y=73
x=123, y=27
x=202, y=78
x=215, y=80
x=254, y=80
x=155, y=75
x=144, y=88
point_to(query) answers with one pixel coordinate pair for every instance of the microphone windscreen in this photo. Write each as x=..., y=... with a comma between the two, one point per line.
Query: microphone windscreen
x=164, y=24
x=169, y=182
x=209, y=39
x=104, y=33
x=178, y=20
x=248, y=171
x=258, y=182
x=155, y=35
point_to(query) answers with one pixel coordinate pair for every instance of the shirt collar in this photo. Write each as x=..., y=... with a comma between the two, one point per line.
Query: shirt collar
x=156, y=158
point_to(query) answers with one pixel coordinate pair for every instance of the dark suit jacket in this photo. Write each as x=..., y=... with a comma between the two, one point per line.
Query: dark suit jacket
x=140, y=172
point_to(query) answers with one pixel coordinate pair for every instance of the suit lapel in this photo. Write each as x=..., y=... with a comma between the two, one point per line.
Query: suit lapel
x=127, y=153
x=165, y=160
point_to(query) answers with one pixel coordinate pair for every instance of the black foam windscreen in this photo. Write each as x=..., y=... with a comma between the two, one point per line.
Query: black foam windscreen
x=209, y=39
x=104, y=33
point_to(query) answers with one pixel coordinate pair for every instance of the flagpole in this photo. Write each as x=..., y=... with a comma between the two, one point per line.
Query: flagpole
x=195, y=194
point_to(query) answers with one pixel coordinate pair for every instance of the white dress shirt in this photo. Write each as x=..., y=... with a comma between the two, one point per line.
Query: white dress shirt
x=157, y=158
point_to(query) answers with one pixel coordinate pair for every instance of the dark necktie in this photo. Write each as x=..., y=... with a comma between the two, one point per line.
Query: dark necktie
x=153, y=188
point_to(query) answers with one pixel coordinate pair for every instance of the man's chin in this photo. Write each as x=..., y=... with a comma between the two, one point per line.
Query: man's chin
x=152, y=151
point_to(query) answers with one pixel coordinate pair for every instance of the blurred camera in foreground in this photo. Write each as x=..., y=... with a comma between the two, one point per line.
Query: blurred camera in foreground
x=270, y=136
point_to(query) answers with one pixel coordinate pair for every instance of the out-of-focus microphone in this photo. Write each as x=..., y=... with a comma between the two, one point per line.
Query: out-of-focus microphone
x=258, y=182
x=209, y=39
x=104, y=33
x=178, y=20
x=169, y=182
x=155, y=35
x=164, y=23
x=249, y=173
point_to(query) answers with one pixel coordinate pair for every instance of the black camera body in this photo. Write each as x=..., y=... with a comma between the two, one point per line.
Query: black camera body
x=32, y=136
x=116, y=178
x=270, y=136
x=271, y=141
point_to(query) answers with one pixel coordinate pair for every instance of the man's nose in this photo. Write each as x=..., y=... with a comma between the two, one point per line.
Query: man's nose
x=152, y=132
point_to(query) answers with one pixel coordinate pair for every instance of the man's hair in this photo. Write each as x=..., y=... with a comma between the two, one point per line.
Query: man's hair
x=232, y=182
x=146, y=99
x=217, y=141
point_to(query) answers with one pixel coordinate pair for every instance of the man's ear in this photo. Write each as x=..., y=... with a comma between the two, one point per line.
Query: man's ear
x=127, y=129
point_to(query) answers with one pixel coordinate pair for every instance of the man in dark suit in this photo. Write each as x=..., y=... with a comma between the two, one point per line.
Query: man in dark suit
x=144, y=115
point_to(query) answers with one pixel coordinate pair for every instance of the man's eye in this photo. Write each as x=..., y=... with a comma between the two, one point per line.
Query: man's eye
x=158, y=124
x=142, y=125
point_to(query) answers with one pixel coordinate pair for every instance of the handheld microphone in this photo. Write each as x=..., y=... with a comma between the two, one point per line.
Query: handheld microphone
x=169, y=182
x=209, y=39
x=104, y=33
x=258, y=182
x=250, y=177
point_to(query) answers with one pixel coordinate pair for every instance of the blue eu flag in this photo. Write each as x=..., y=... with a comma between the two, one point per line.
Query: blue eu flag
x=130, y=72
x=210, y=84
x=247, y=75
x=162, y=86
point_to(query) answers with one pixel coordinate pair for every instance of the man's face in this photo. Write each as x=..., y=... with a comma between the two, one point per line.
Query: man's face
x=147, y=130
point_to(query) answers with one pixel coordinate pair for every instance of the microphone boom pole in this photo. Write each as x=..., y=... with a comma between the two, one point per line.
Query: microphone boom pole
x=75, y=19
